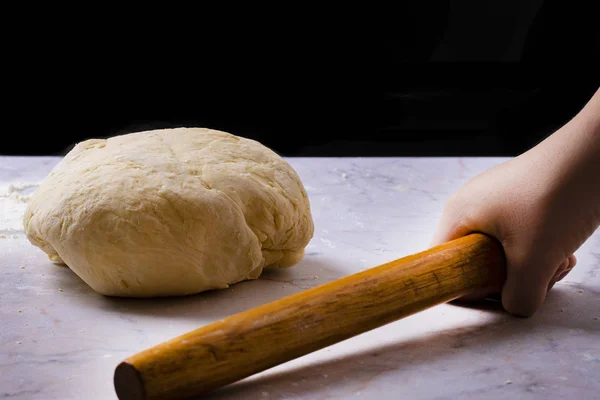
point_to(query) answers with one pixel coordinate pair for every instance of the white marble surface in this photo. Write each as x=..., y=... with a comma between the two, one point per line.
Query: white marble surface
x=60, y=340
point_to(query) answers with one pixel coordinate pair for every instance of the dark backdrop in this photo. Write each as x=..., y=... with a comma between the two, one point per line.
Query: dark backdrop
x=438, y=78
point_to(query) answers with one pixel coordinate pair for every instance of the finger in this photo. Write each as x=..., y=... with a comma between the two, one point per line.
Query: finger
x=559, y=278
x=526, y=285
x=572, y=261
x=564, y=274
x=449, y=230
x=563, y=270
x=451, y=224
x=559, y=272
x=523, y=297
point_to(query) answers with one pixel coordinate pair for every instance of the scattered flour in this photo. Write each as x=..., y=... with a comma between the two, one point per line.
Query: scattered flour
x=13, y=201
x=328, y=243
x=402, y=188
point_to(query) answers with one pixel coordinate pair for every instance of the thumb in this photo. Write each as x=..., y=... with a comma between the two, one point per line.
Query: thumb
x=449, y=229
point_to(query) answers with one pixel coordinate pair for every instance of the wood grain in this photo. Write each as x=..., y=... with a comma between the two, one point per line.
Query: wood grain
x=252, y=341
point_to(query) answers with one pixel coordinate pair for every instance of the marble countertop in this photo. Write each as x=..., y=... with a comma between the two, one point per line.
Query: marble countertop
x=61, y=340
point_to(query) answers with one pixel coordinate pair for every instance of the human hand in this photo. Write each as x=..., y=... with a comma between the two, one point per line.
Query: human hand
x=535, y=218
x=541, y=206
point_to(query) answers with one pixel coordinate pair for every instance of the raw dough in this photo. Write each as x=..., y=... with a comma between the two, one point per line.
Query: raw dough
x=170, y=212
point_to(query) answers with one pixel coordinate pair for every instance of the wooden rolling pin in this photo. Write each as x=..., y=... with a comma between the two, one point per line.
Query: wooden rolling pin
x=263, y=337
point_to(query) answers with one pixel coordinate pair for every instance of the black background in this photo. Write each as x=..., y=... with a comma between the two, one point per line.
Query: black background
x=432, y=79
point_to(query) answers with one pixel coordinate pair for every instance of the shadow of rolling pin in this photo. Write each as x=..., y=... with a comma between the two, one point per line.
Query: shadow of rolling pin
x=252, y=341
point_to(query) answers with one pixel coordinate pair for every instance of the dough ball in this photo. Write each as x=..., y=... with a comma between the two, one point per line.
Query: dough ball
x=170, y=212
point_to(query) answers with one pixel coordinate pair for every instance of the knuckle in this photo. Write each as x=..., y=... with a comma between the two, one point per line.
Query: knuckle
x=454, y=204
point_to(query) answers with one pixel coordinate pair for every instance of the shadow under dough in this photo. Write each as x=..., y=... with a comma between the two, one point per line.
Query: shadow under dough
x=211, y=305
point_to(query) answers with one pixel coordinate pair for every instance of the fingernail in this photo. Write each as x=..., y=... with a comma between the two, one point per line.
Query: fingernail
x=497, y=297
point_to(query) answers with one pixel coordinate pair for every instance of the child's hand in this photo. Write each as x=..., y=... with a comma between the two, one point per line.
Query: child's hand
x=533, y=224
x=542, y=206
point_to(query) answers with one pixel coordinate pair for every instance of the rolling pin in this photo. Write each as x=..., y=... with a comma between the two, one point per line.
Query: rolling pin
x=244, y=344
